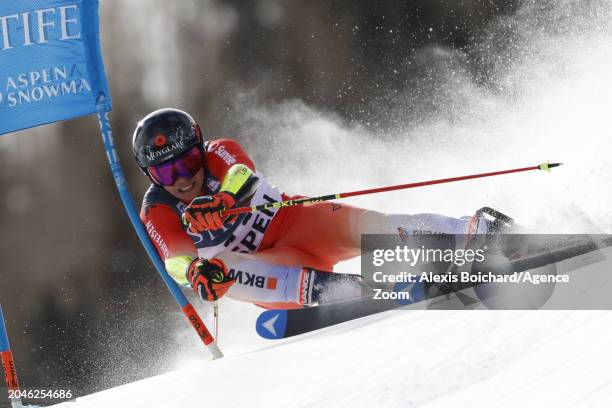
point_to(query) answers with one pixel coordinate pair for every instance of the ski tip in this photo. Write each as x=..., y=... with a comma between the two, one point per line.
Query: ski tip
x=272, y=324
x=547, y=166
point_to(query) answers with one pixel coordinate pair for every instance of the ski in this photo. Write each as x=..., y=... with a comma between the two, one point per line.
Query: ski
x=279, y=324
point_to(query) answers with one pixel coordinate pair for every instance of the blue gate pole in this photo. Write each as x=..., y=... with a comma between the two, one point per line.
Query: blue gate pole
x=113, y=159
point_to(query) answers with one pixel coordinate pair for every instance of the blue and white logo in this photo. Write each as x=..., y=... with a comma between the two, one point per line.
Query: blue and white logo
x=272, y=324
x=50, y=62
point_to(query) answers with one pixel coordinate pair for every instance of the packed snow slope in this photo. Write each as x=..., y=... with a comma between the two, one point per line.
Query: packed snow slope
x=402, y=359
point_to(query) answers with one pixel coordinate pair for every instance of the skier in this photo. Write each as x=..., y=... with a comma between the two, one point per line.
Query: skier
x=277, y=258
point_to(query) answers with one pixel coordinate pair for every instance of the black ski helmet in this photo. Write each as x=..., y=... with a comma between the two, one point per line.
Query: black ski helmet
x=163, y=135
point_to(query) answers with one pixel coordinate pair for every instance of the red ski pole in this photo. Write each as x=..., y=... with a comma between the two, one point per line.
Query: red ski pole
x=313, y=200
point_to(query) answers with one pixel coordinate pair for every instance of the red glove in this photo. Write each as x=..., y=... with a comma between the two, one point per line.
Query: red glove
x=206, y=212
x=209, y=278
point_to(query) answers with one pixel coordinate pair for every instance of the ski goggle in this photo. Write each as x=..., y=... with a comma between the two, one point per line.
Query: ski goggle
x=186, y=165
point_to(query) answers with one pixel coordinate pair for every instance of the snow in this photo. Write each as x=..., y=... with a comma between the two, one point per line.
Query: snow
x=402, y=358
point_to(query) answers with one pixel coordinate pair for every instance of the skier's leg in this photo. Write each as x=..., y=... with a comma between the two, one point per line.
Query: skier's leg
x=321, y=233
x=319, y=236
x=280, y=286
x=373, y=222
x=329, y=232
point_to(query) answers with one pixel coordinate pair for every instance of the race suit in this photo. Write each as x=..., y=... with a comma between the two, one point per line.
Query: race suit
x=284, y=240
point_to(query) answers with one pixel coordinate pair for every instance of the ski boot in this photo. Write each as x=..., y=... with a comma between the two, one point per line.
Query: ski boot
x=500, y=237
x=485, y=226
x=322, y=287
x=495, y=222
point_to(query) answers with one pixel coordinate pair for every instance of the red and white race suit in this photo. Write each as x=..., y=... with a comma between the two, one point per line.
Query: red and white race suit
x=265, y=251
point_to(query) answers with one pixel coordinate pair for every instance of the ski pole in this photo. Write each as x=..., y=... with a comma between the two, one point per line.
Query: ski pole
x=314, y=200
x=9, y=365
x=188, y=310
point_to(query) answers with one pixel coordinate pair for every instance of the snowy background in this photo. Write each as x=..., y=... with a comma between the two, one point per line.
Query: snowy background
x=326, y=98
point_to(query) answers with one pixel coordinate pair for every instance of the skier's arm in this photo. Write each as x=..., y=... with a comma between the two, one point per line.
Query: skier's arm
x=175, y=247
x=209, y=278
x=227, y=161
